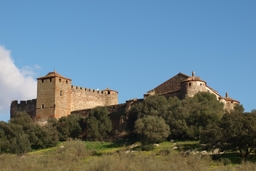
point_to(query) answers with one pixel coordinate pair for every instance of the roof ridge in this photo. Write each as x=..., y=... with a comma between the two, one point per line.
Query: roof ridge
x=181, y=75
x=53, y=74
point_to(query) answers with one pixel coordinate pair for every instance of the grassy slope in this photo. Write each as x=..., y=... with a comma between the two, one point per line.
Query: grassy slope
x=77, y=155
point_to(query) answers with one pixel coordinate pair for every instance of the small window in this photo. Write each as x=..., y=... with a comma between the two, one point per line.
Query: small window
x=42, y=81
x=60, y=92
x=108, y=92
x=42, y=106
x=50, y=80
x=59, y=80
x=189, y=84
x=66, y=81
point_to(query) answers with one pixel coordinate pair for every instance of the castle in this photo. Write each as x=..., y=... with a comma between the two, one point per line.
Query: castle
x=57, y=97
x=182, y=85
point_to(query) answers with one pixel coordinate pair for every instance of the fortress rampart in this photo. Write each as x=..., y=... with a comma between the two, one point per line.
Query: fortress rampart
x=57, y=97
x=117, y=113
x=28, y=106
x=85, y=98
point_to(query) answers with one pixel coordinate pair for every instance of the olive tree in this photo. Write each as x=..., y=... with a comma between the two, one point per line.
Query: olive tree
x=151, y=129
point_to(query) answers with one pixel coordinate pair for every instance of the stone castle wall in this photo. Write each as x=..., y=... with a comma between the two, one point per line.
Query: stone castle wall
x=84, y=98
x=117, y=113
x=190, y=88
x=56, y=97
x=45, y=98
x=62, y=97
x=28, y=106
x=229, y=105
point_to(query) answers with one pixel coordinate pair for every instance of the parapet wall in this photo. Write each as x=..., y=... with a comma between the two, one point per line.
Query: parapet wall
x=85, y=98
x=28, y=106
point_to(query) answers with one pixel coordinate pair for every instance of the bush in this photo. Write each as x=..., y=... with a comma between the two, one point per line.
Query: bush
x=69, y=127
x=225, y=161
x=98, y=124
x=151, y=129
x=148, y=147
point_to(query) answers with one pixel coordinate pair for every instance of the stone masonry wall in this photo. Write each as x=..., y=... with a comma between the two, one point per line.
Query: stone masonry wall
x=190, y=88
x=45, y=98
x=84, y=98
x=28, y=106
x=62, y=98
x=117, y=114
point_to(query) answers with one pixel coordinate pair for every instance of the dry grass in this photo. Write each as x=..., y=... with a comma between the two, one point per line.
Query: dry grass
x=76, y=156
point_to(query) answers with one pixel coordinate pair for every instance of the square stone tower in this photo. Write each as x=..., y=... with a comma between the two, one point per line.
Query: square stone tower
x=53, y=96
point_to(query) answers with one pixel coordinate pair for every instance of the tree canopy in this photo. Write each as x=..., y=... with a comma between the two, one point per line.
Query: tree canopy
x=234, y=132
x=186, y=118
x=98, y=124
x=151, y=129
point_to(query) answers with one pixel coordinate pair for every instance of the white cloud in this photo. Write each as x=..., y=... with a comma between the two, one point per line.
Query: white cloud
x=15, y=83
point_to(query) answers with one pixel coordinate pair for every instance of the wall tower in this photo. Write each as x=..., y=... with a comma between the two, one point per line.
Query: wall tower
x=111, y=97
x=192, y=85
x=53, y=96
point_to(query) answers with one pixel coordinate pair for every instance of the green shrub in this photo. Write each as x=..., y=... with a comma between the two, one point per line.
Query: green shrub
x=148, y=147
x=225, y=161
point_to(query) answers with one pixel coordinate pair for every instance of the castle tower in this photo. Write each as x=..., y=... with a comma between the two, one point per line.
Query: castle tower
x=111, y=97
x=192, y=85
x=53, y=96
x=229, y=103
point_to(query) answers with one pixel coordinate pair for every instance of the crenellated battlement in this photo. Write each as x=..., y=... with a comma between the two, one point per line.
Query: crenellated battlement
x=57, y=97
x=23, y=102
x=96, y=91
x=85, y=98
x=77, y=88
x=28, y=106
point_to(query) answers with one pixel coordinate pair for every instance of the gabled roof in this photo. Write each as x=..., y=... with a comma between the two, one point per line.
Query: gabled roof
x=171, y=85
x=53, y=74
x=227, y=98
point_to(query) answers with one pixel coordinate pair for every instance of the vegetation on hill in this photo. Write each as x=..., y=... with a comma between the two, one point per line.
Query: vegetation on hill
x=21, y=135
x=154, y=120
x=151, y=129
x=186, y=118
x=98, y=124
x=234, y=132
x=93, y=156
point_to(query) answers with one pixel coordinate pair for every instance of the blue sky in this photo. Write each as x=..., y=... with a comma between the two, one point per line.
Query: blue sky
x=128, y=46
